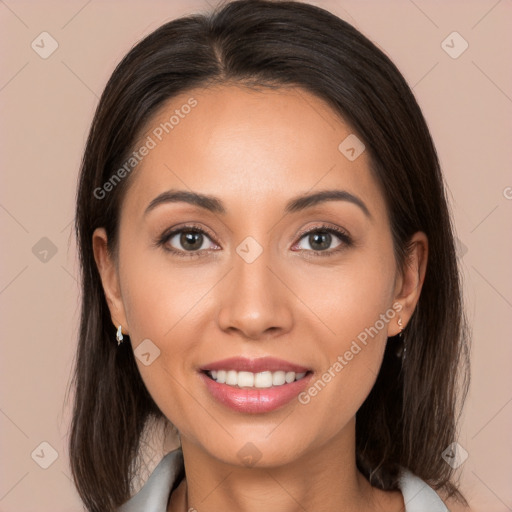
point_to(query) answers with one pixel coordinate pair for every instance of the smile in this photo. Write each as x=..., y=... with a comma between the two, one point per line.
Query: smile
x=264, y=379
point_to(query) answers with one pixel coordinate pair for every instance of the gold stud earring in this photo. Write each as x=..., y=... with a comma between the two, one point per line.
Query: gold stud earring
x=401, y=347
x=401, y=325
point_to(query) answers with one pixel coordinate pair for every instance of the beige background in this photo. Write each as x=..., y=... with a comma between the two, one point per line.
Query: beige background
x=46, y=107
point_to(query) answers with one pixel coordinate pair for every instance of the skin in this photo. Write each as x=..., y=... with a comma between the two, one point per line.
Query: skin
x=255, y=150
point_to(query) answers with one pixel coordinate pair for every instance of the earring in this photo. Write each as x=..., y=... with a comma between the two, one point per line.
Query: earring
x=119, y=336
x=401, y=348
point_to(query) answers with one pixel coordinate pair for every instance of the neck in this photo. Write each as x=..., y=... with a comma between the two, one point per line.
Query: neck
x=322, y=478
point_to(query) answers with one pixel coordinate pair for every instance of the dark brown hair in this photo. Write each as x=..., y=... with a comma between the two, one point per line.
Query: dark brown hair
x=410, y=416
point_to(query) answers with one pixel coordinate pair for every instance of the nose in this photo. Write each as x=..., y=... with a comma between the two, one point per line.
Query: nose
x=254, y=301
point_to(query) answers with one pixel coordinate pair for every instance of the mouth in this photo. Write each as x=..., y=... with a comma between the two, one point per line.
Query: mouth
x=254, y=385
x=259, y=380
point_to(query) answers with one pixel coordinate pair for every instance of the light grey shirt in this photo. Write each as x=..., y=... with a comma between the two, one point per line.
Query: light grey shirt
x=154, y=495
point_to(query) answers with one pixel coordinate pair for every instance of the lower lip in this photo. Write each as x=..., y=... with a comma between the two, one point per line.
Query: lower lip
x=255, y=400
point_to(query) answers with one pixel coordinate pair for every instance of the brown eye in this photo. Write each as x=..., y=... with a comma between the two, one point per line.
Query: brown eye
x=187, y=241
x=191, y=240
x=320, y=240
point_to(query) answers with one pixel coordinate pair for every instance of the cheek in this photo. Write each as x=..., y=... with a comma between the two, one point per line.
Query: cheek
x=348, y=297
x=352, y=306
x=160, y=301
x=166, y=302
x=352, y=359
x=158, y=294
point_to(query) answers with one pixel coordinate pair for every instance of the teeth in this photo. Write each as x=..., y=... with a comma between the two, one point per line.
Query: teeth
x=254, y=380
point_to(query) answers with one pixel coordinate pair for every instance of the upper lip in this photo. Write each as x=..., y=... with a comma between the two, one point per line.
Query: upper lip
x=254, y=365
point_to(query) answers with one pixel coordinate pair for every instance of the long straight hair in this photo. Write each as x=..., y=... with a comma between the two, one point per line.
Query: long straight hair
x=410, y=415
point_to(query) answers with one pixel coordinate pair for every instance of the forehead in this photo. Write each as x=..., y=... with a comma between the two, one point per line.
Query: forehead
x=249, y=147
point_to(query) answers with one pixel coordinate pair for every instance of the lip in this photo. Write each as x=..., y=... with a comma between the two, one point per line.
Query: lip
x=261, y=364
x=254, y=400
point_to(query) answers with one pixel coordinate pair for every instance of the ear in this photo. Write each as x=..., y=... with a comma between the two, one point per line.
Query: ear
x=410, y=281
x=109, y=279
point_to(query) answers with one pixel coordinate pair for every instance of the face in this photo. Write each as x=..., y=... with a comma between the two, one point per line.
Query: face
x=254, y=272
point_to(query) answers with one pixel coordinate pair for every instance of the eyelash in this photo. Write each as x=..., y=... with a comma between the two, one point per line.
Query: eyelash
x=346, y=240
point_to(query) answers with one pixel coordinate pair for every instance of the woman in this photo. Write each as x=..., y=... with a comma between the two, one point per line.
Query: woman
x=268, y=265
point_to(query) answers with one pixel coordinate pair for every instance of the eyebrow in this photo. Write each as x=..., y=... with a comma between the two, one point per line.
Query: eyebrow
x=215, y=205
